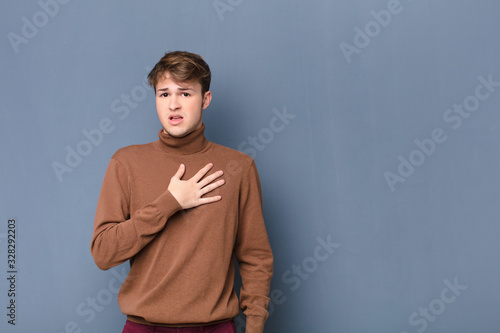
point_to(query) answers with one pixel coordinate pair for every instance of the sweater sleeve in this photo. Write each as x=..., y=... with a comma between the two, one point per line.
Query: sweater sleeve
x=253, y=252
x=118, y=236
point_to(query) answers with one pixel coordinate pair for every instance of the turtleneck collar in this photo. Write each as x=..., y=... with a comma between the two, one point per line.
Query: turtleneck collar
x=192, y=143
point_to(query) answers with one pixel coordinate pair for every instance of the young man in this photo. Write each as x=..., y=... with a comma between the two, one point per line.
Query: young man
x=180, y=223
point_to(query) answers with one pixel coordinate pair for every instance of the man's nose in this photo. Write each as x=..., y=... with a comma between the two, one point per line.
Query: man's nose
x=174, y=103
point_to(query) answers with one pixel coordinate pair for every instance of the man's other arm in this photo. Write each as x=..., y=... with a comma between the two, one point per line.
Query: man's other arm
x=253, y=252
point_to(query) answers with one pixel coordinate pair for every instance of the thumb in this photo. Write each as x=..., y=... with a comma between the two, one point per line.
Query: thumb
x=180, y=172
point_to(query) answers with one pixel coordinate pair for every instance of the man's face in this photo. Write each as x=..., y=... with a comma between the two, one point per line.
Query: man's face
x=180, y=105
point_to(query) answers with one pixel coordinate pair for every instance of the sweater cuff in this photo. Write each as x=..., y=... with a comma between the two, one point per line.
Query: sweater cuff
x=167, y=205
x=255, y=324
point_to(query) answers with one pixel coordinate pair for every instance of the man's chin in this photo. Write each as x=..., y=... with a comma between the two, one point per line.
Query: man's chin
x=176, y=132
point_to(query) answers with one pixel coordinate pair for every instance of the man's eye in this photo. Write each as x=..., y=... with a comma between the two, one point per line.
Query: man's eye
x=185, y=94
x=164, y=95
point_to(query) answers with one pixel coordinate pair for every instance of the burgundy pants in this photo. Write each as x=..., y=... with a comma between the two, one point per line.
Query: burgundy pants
x=226, y=327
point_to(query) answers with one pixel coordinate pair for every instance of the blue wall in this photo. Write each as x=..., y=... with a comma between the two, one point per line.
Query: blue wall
x=375, y=126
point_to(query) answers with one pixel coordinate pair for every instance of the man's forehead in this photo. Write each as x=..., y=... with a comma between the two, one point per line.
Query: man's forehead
x=168, y=82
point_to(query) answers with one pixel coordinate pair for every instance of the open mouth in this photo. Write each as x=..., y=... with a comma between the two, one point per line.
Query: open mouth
x=175, y=119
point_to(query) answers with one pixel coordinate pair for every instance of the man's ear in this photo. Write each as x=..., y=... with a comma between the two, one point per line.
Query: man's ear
x=207, y=98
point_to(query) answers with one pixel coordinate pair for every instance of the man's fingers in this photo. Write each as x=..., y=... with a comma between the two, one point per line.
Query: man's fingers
x=211, y=178
x=180, y=171
x=203, y=201
x=211, y=187
x=203, y=171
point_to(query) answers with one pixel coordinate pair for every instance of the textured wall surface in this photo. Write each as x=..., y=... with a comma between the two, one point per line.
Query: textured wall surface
x=375, y=125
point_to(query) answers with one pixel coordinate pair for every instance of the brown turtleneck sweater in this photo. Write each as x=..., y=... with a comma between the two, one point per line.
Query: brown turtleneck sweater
x=181, y=261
